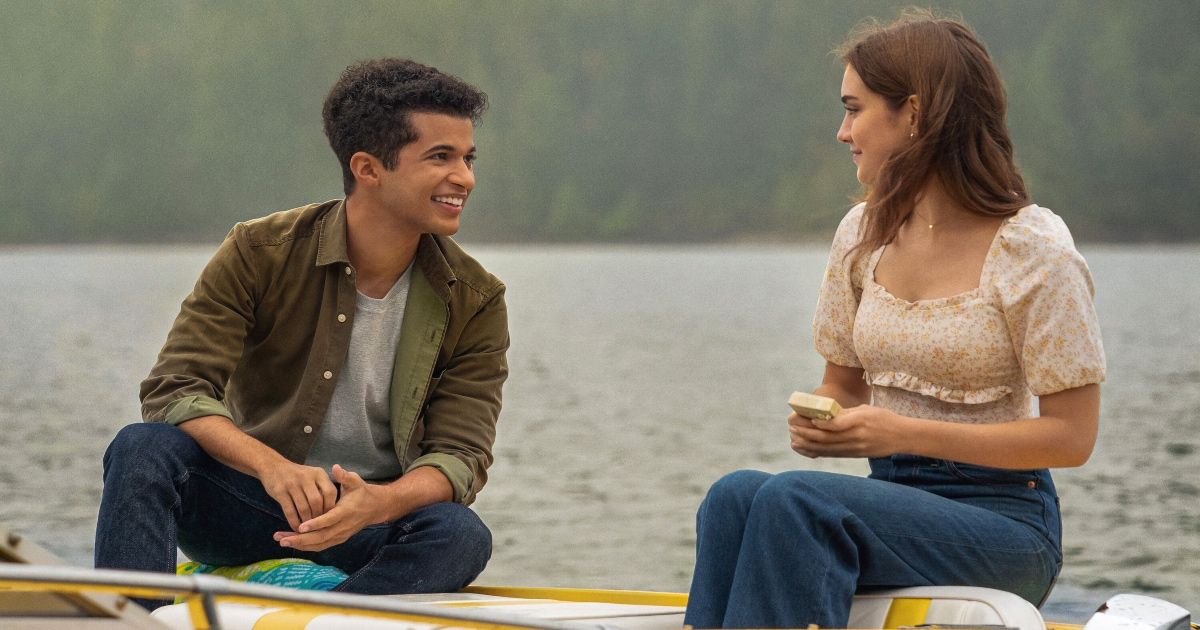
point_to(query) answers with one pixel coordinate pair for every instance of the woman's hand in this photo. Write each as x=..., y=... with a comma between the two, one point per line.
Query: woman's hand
x=862, y=431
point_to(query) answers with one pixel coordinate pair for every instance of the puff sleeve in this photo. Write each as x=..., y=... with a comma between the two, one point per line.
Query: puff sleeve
x=841, y=290
x=1046, y=291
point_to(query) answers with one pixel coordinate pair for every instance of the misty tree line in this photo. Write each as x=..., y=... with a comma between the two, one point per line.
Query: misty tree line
x=666, y=120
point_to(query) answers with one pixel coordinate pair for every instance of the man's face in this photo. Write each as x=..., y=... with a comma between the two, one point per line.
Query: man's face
x=428, y=189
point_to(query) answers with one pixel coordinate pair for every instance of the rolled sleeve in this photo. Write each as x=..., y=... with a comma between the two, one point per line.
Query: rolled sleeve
x=456, y=471
x=464, y=404
x=183, y=409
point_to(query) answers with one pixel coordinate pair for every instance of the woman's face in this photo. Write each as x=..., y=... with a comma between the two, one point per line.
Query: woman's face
x=873, y=130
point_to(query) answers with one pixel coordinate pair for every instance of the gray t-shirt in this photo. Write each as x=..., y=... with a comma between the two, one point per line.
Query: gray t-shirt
x=357, y=431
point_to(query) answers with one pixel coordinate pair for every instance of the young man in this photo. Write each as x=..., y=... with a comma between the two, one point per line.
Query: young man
x=330, y=388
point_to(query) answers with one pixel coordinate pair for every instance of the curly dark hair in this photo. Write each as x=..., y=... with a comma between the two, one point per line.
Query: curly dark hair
x=368, y=108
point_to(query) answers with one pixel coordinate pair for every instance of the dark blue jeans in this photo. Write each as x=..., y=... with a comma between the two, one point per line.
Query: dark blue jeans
x=161, y=490
x=788, y=550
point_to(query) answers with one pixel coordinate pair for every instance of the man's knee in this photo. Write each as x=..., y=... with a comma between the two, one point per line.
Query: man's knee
x=464, y=530
x=475, y=534
x=144, y=442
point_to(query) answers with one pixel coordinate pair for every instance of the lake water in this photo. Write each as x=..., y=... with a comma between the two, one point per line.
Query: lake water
x=639, y=376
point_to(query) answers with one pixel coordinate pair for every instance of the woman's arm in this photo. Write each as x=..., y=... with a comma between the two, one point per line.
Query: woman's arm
x=845, y=385
x=1062, y=436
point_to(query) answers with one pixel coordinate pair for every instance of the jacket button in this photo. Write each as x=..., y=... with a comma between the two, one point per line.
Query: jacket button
x=307, y=429
x=341, y=317
x=328, y=375
x=348, y=271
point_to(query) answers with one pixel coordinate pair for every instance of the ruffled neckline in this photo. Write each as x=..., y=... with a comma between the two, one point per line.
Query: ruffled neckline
x=949, y=300
x=940, y=302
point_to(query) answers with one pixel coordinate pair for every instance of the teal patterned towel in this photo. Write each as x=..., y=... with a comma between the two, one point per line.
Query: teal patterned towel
x=287, y=572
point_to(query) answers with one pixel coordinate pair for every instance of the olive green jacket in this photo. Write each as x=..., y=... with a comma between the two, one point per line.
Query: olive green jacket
x=266, y=330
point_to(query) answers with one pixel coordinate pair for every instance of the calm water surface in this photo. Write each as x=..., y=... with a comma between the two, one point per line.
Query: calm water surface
x=639, y=376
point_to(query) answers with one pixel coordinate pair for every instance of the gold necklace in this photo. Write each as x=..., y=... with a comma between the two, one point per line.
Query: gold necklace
x=923, y=219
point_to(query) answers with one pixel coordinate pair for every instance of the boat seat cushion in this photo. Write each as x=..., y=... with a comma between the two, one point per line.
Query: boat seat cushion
x=286, y=572
x=944, y=606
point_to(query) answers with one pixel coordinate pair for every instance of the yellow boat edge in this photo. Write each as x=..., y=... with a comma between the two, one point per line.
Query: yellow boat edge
x=905, y=612
x=601, y=596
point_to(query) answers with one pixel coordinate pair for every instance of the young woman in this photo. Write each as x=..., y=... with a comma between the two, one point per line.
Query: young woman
x=949, y=303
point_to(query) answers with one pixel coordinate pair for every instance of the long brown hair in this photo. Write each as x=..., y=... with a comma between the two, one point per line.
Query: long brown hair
x=960, y=137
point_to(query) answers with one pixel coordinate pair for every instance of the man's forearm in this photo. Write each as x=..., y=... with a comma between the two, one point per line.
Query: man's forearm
x=416, y=489
x=231, y=446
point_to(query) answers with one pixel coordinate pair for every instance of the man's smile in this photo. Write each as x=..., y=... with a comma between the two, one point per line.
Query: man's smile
x=451, y=200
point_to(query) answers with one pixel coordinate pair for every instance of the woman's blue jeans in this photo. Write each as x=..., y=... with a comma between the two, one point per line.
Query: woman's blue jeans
x=789, y=550
x=161, y=490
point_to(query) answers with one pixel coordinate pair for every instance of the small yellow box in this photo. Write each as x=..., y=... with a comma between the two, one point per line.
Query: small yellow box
x=814, y=406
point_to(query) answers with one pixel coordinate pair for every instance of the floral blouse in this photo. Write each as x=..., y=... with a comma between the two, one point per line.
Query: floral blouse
x=1029, y=328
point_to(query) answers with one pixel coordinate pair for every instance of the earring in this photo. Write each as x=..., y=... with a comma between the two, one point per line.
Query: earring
x=912, y=134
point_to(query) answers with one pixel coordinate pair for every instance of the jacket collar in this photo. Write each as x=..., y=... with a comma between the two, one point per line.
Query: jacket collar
x=332, y=248
x=432, y=262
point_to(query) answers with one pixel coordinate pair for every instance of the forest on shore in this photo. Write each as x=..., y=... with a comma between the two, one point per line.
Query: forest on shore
x=664, y=121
